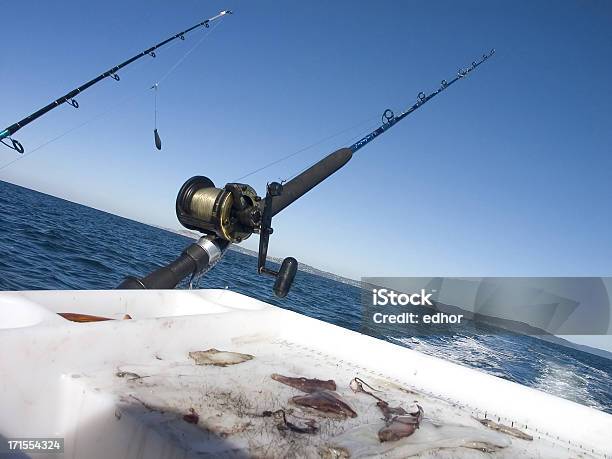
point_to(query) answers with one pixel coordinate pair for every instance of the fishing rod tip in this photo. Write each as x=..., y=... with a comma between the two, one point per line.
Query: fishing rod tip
x=227, y=12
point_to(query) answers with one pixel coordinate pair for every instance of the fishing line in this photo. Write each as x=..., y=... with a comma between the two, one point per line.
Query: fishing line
x=156, y=137
x=118, y=105
x=69, y=131
x=155, y=87
x=180, y=61
x=339, y=145
x=308, y=147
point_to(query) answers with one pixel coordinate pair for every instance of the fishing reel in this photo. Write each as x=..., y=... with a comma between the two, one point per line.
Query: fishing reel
x=232, y=214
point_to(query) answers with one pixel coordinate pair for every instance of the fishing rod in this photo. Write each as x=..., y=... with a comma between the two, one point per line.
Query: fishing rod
x=231, y=214
x=5, y=135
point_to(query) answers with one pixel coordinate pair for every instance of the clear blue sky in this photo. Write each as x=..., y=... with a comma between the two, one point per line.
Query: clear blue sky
x=507, y=173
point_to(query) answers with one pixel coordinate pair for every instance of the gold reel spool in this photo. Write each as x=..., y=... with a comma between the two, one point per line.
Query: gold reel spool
x=203, y=207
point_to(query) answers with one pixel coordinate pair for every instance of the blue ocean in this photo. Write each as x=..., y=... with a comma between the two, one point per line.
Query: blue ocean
x=50, y=243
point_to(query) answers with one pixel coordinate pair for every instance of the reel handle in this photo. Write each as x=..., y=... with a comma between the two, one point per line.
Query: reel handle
x=286, y=274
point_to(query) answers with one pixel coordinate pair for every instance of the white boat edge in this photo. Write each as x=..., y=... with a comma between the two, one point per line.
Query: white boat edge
x=36, y=336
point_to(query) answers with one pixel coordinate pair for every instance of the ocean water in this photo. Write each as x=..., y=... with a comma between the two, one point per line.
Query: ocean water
x=49, y=243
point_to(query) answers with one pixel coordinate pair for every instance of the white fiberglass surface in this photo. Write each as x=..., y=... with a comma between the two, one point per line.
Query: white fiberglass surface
x=93, y=382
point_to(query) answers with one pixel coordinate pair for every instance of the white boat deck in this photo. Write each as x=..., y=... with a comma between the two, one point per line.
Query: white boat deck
x=127, y=388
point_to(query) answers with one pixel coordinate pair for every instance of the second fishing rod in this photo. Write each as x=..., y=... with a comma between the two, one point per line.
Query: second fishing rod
x=5, y=135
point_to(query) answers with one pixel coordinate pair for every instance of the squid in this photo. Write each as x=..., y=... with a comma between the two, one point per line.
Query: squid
x=401, y=426
x=305, y=384
x=325, y=401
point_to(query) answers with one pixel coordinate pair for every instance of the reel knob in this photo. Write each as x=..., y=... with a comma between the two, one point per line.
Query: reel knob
x=285, y=277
